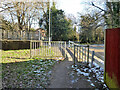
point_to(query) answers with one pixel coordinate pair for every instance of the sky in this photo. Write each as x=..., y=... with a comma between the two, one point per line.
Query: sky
x=74, y=6
x=71, y=6
x=77, y=6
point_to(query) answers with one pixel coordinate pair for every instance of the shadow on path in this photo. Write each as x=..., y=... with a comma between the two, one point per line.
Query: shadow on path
x=61, y=75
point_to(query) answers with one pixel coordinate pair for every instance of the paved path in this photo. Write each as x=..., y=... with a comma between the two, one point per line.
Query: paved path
x=61, y=78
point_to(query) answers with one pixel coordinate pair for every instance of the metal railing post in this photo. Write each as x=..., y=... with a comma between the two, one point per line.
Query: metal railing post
x=39, y=47
x=85, y=54
x=93, y=53
x=65, y=49
x=69, y=44
x=35, y=48
x=88, y=56
x=61, y=46
x=30, y=49
x=77, y=53
x=74, y=54
x=82, y=54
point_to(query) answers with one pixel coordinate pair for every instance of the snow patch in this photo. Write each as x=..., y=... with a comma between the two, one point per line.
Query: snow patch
x=92, y=84
x=83, y=73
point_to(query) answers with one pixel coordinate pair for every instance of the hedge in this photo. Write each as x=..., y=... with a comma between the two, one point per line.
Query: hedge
x=15, y=44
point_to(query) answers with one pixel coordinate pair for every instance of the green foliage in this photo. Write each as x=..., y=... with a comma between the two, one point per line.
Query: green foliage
x=27, y=74
x=91, y=32
x=60, y=26
x=32, y=29
x=112, y=15
x=75, y=28
x=6, y=25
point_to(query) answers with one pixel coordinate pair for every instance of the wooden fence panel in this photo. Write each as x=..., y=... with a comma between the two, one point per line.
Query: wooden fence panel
x=112, y=58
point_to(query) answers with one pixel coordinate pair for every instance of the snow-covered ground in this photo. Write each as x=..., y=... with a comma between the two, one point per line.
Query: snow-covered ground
x=94, y=75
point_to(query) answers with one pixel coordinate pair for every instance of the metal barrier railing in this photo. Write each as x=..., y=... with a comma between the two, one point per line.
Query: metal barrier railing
x=42, y=49
x=82, y=53
x=71, y=45
x=38, y=49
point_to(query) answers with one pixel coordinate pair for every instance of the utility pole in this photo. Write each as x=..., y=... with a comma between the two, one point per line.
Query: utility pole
x=49, y=26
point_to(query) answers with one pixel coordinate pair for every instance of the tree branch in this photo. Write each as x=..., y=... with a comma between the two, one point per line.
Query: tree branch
x=98, y=7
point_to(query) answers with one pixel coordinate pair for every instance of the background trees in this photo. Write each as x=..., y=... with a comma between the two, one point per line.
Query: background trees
x=111, y=13
x=20, y=16
x=91, y=28
x=22, y=13
x=61, y=28
x=101, y=15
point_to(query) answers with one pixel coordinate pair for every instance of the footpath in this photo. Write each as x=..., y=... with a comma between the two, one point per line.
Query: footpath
x=63, y=77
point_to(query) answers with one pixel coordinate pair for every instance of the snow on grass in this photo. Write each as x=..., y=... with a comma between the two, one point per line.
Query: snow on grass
x=92, y=84
x=94, y=75
x=83, y=73
x=29, y=74
x=74, y=80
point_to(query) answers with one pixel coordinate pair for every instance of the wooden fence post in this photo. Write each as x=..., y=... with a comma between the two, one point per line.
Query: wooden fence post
x=93, y=53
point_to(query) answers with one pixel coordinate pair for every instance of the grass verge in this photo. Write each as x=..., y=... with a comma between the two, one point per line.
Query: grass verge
x=27, y=74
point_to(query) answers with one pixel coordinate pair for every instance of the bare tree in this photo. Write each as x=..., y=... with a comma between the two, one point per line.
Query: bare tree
x=22, y=13
x=111, y=13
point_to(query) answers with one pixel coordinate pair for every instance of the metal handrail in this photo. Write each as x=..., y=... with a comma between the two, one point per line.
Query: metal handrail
x=81, y=54
x=41, y=49
x=81, y=51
